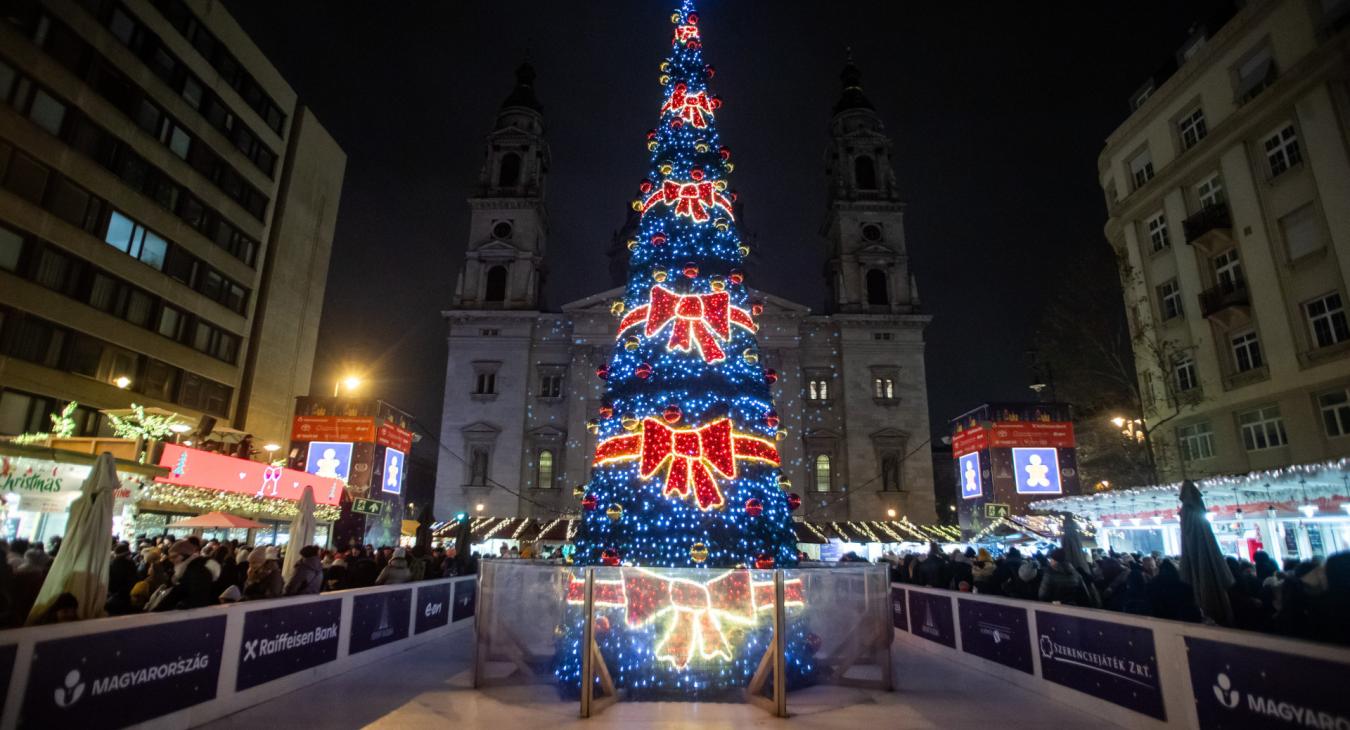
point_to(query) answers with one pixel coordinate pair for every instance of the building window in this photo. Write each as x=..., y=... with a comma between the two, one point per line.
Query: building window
x=11, y=248
x=485, y=384
x=1262, y=428
x=1254, y=74
x=478, y=466
x=890, y=473
x=871, y=232
x=823, y=473
x=1282, y=150
x=1195, y=441
x=1141, y=169
x=877, y=295
x=495, y=291
x=883, y=388
x=551, y=385
x=1169, y=296
x=1302, y=235
x=1141, y=96
x=1184, y=375
x=818, y=389
x=1210, y=191
x=1228, y=270
x=508, y=175
x=502, y=230
x=489, y=332
x=1246, y=351
x=865, y=173
x=1326, y=317
x=1192, y=128
x=47, y=112
x=1335, y=409
x=545, y=471
x=1157, y=231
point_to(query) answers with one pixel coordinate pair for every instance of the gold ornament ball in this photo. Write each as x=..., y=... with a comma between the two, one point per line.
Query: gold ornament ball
x=744, y=250
x=616, y=307
x=659, y=275
x=629, y=422
x=781, y=435
x=718, y=283
x=698, y=552
x=784, y=483
x=631, y=343
x=667, y=168
x=593, y=425
x=614, y=513
x=579, y=490
x=750, y=355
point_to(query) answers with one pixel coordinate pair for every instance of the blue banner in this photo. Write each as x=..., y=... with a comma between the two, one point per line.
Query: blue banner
x=995, y=632
x=1238, y=687
x=124, y=676
x=466, y=595
x=287, y=639
x=7, y=653
x=379, y=619
x=930, y=616
x=433, y=607
x=899, y=616
x=1109, y=661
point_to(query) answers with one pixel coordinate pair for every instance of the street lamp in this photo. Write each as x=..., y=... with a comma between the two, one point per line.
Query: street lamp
x=272, y=448
x=890, y=513
x=122, y=382
x=350, y=382
x=479, y=507
x=1135, y=429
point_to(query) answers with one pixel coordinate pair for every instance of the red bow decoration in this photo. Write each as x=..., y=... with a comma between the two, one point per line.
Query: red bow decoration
x=700, y=320
x=699, y=610
x=685, y=33
x=693, y=199
x=694, y=108
x=693, y=454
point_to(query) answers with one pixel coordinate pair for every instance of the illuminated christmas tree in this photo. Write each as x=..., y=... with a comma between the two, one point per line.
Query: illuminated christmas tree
x=686, y=466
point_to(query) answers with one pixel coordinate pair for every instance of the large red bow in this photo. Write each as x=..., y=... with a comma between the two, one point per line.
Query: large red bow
x=692, y=107
x=692, y=454
x=699, y=609
x=700, y=320
x=693, y=199
x=685, y=33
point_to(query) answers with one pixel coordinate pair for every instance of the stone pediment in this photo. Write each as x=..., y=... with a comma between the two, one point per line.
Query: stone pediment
x=876, y=249
x=479, y=428
x=495, y=249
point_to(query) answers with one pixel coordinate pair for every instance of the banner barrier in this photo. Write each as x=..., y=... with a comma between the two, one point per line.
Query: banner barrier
x=1135, y=671
x=185, y=668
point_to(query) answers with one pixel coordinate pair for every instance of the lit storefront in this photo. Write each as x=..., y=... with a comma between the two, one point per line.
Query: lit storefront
x=1301, y=511
x=195, y=482
x=38, y=485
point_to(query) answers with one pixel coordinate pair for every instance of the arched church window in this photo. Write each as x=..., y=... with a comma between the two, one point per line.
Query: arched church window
x=545, y=469
x=496, y=285
x=508, y=175
x=823, y=473
x=865, y=173
x=877, y=295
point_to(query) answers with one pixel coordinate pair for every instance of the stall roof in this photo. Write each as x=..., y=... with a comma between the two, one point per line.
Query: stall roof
x=124, y=466
x=1299, y=484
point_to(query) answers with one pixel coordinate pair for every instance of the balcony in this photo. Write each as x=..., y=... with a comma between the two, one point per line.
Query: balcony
x=1211, y=222
x=1229, y=303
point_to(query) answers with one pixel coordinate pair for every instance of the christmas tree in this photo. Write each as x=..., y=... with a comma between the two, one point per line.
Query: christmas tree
x=686, y=465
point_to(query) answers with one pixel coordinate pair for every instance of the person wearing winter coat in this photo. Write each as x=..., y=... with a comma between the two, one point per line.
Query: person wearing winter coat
x=308, y=576
x=121, y=579
x=396, y=571
x=1062, y=584
x=1170, y=597
x=361, y=570
x=193, y=577
x=982, y=571
x=264, y=574
x=1026, y=583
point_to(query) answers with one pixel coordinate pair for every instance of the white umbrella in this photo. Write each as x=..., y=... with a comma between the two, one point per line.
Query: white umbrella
x=302, y=532
x=1202, y=563
x=81, y=567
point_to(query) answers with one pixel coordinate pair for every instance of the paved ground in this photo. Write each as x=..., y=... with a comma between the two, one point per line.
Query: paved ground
x=430, y=687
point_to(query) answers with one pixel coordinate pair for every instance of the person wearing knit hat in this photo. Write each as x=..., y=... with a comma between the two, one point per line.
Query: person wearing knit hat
x=273, y=553
x=182, y=549
x=264, y=574
x=231, y=595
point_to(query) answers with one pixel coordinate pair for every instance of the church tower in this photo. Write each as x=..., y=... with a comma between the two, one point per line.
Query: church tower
x=508, y=225
x=867, y=266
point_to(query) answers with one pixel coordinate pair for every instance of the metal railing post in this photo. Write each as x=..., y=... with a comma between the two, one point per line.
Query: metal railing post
x=780, y=645
x=587, y=639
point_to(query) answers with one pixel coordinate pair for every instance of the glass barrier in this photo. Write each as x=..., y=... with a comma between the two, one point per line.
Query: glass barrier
x=517, y=626
x=845, y=614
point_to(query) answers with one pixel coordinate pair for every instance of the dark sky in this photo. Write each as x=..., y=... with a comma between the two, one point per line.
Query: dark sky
x=998, y=113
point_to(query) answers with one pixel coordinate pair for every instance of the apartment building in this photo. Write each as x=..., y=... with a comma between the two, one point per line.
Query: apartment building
x=167, y=209
x=1228, y=190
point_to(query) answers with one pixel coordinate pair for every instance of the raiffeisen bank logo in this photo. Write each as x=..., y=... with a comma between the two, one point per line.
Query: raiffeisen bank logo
x=1291, y=713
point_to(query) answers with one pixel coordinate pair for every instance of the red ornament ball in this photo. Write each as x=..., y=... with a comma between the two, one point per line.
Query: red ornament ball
x=676, y=123
x=736, y=276
x=658, y=239
x=757, y=308
x=754, y=507
x=771, y=376
x=710, y=71
x=606, y=411
x=651, y=134
x=771, y=419
x=644, y=370
x=645, y=186
x=725, y=152
x=764, y=561
x=813, y=641
x=696, y=173
x=589, y=502
x=691, y=270
x=692, y=18
x=672, y=413
x=794, y=501
x=602, y=372
x=716, y=101
x=609, y=556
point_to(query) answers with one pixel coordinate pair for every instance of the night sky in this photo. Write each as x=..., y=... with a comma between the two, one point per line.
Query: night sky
x=997, y=112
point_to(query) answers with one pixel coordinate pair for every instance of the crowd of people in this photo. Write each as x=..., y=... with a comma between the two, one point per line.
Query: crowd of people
x=166, y=573
x=1303, y=599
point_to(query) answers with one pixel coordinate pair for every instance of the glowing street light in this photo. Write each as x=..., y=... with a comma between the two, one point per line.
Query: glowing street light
x=180, y=428
x=122, y=382
x=890, y=513
x=479, y=507
x=350, y=382
x=272, y=448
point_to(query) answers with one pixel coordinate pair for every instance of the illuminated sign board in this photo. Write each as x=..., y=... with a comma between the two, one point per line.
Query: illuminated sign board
x=207, y=470
x=333, y=428
x=330, y=459
x=968, y=472
x=392, y=481
x=1036, y=470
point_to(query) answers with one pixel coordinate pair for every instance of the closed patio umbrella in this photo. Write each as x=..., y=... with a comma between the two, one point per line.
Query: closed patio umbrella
x=302, y=532
x=81, y=567
x=1072, y=543
x=1202, y=564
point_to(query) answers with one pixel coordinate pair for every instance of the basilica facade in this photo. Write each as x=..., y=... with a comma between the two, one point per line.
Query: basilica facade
x=520, y=380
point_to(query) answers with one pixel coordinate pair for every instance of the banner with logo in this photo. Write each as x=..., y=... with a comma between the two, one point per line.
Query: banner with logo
x=1109, y=661
x=930, y=616
x=1240, y=687
x=466, y=595
x=995, y=632
x=92, y=681
x=286, y=640
x=433, y=607
x=899, y=616
x=379, y=619
x=7, y=653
